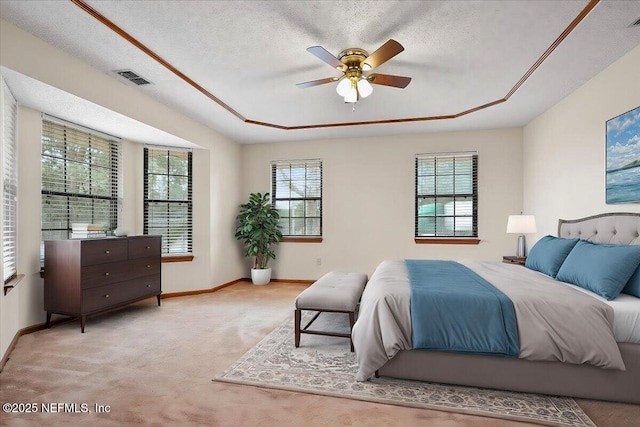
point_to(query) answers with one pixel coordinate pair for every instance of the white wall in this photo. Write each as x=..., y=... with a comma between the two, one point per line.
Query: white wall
x=368, y=198
x=216, y=169
x=564, y=148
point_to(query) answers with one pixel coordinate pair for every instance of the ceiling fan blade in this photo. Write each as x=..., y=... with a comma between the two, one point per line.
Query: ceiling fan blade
x=383, y=54
x=324, y=55
x=389, y=80
x=317, y=82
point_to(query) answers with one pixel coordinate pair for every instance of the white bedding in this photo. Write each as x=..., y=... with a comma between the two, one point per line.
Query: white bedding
x=626, y=318
x=554, y=322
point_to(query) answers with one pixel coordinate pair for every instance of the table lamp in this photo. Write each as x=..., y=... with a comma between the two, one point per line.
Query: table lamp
x=521, y=224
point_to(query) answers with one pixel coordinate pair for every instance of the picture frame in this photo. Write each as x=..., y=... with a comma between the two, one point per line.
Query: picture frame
x=622, y=172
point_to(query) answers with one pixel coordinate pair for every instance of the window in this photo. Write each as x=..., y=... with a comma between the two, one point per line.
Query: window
x=167, y=197
x=296, y=192
x=9, y=185
x=80, y=178
x=446, y=195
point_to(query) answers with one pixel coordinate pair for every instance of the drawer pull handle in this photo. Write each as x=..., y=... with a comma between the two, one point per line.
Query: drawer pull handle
x=148, y=286
x=106, y=296
x=148, y=247
x=106, y=274
x=148, y=265
x=107, y=252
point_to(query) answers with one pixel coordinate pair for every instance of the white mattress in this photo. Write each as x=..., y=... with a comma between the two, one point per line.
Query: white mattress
x=626, y=320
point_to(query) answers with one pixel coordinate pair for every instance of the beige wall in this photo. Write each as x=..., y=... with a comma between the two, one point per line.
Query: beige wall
x=564, y=148
x=216, y=178
x=368, y=198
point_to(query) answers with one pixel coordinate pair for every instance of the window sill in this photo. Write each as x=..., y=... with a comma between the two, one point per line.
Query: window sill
x=301, y=239
x=177, y=258
x=12, y=283
x=447, y=241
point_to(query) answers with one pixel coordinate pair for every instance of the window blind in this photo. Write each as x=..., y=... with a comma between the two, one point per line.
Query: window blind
x=9, y=184
x=168, y=206
x=446, y=203
x=296, y=192
x=80, y=179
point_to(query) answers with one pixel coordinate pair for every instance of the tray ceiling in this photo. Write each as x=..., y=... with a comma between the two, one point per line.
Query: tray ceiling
x=233, y=65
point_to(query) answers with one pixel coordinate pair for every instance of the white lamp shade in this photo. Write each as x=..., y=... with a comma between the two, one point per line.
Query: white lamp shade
x=364, y=87
x=521, y=224
x=343, y=87
x=351, y=96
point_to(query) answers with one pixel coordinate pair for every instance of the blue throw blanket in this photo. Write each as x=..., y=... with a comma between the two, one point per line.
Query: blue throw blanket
x=454, y=309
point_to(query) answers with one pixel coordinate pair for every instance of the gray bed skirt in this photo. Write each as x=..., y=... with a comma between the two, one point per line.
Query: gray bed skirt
x=555, y=378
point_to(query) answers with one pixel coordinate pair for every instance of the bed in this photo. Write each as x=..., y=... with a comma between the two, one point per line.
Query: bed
x=383, y=339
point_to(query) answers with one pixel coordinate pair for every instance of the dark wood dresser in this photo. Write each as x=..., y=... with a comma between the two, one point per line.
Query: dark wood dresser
x=89, y=276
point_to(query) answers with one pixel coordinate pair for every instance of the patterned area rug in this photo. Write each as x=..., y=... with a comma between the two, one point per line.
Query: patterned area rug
x=324, y=365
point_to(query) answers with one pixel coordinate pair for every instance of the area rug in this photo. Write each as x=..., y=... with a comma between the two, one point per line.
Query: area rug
x=324, y=365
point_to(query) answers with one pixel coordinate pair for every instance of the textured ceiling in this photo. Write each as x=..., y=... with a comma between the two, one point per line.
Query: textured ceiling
x=250, y=55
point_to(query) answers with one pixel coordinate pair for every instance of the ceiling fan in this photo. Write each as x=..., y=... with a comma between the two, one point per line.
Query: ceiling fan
x=353, y=63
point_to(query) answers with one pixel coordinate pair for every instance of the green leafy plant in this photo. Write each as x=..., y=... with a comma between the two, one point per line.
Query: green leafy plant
x=258, y=227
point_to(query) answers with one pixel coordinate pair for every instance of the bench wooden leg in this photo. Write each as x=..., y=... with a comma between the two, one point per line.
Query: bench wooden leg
x=297, y=315
x=352, y=320
x=297, y=320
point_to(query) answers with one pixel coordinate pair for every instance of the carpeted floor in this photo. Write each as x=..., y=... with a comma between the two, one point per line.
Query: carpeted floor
x=153, y=366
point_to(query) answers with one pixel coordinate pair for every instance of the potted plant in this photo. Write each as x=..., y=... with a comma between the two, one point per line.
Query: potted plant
x=258, y=227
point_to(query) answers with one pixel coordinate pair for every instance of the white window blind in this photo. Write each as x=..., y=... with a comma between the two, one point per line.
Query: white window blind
x=296, y=192
x=446, y=195
x=168, y=197
x=80, y=178
x=9, y=184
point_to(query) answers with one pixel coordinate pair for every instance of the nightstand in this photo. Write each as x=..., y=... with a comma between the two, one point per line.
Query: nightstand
x=514, y=260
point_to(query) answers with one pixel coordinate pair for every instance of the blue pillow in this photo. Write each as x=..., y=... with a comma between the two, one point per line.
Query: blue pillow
x=633, y=285
x=548, y=254
x=602, y=269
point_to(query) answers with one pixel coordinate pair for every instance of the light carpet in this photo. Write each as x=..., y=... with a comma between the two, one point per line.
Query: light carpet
x=324, y=365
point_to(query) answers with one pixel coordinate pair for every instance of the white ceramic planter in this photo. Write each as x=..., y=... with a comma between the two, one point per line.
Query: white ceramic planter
x=260, y=276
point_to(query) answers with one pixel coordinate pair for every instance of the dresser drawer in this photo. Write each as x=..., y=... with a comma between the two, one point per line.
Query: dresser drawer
x=103, y=297
x=101, y=251
x=143, y=267
x=112, y=272
x=142, y=247
x=103, y=274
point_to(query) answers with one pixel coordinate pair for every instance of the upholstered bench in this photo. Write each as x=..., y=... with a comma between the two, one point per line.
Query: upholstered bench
x=334, y=292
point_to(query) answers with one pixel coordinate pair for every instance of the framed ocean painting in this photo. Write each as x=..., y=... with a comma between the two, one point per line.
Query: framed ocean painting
x=623, y=158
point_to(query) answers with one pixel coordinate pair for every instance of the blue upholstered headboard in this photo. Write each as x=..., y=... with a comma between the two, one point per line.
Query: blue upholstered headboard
x=616, y=228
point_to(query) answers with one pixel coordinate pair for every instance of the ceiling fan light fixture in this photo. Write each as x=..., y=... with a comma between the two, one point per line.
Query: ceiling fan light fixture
x=364, y=87
x=343, y=87
x=353, y=63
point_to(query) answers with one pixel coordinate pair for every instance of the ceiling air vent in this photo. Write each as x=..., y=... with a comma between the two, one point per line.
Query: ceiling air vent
x=133, y=77
x=635, y=23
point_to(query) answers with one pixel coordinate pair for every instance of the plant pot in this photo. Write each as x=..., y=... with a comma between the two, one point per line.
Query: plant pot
x=260, y=276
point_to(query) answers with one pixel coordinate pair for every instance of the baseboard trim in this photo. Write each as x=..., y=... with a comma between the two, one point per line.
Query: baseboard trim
x=26, y=331
x=294, y=281
x=201, y=291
